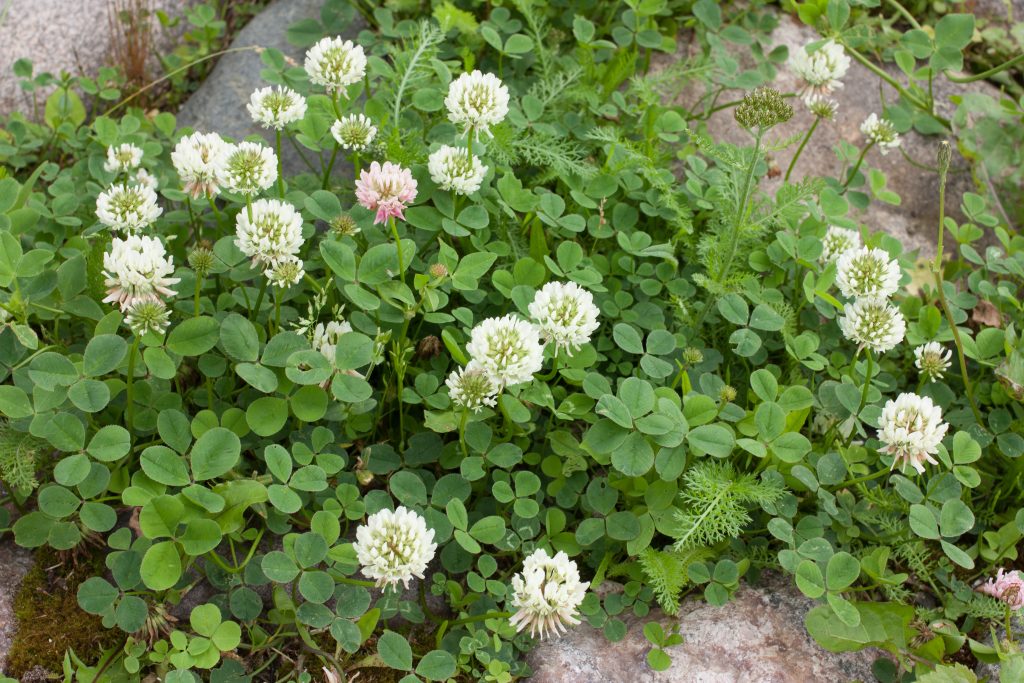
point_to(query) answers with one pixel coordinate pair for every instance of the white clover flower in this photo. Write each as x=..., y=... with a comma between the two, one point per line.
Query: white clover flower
x=477, y=101
x=932, y=360
x=394, y=547
x=144, y=316
x=285, y=272
x=276, y=107
x=325, y=337
x=472, y=388
x=274, y=232
x=881, y=132
x=821, y=106
x=837, y=241
x=822, y=70
x=546, y=594
x=335, y=63
x=507, y=348
x=867, y=272
x=128, y=208
x=354, y=132
x=199, y=160
x=249, y=168
x=873, y=323
x=454, y=168
x=146, y=179
x=137, y=269
x=565, y=314
x=122, y=158
x=911, y=428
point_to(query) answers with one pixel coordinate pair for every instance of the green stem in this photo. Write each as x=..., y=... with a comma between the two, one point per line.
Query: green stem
x=867, y=382
x=469, y=142
x=900, y=9
x=277, y=309
x=280, y=166
x=398, y=246
x=800, y=149
x=129, y=409
x=259, y=299
x=199, y=286
x=462, y=432
x=913, y=99
x=865, y=478
x=987, y=74
x=856, y=166
x=330, y=167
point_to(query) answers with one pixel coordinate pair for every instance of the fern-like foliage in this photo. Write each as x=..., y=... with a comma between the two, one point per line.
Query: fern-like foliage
x=537, y=27
x=715, y=501
x=19, y=457
x=666, y=572
x=413, y=65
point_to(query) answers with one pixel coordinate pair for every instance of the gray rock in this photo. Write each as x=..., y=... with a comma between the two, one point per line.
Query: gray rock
x=757, y=637
x=15, y=562
x=992, y=671
x=914, y=222
x=219, y=105
x=62, y=35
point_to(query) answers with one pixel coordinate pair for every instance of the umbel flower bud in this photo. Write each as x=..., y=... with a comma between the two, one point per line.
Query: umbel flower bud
x=201, y=259
x=945, y=156
x=762, y=109
x=344, y=225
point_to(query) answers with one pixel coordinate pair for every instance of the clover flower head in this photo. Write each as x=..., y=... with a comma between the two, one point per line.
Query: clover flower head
x=199, y=160
x=932, y=360
x=344, y=225
x=822, y=70
x=128, y=208
x=148, y=315
x=508, y=349
x=565, y=314
x=386, y=189
x=838, y=241
x=285, y=272
x=394, y=547
x=273, y=233
x=547, y=594
x=873, y=323
x=477, y=101
x=250, y=168
x=123, y=157
x=146, y=179
x=693, y=356
x=881, y=132
x=335, y=63
x=763, y=108
x=472, y=388
x=201, y=259
x=276, y=107
x=454, y=168
x=911, y=428
x=354, y=132
x=1007, y=586
x=137, y=269
x=325, y=337
x=867, y=272
x=821, y=106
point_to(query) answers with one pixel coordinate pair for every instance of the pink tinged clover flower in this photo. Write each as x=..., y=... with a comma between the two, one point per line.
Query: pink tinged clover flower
x=1006, y=586
x=137, y=269
x=386, y=189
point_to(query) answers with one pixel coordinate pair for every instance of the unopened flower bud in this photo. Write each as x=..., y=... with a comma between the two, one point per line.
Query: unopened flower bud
x=201, y=260
x=763, y=108
x=727, y=394
x=344, y=225
x=945, y=156
x=438, y=270
x=692, y=356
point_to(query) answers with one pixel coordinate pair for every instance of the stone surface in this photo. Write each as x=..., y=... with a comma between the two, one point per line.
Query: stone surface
x=14, y=564
x=62, y=35
x=219, y=104
x=915, y=220
x=992, y=671
x=757, y=637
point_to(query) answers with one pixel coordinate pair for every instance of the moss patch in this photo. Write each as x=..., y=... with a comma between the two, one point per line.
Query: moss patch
x=49, y=619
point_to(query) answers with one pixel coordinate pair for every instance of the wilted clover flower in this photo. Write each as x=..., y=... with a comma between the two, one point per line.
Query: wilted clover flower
x=472, y=388
x=873, y=323
x=123, y=157
x=276, y=107
x=821, y=70
x=386, y=189
x=325, y=337
x=145, y=316
x=201, y=260
x=565, y=314
x=394, y=547
x=821, y=106
x=137, y=269
x=128, y=208
x=867, y=272
x=932, y=360
x=838, y=241
x=880, y=132
x=911, y=428
x=285, y=272
x=273, y=233
x=335, y=63
x=199, y=160
x=507, y=348
x=546, y=594
x=1006, y=586
x=344, y=225
x=477, y=101
x=454, y=168
x=354, y=132
x=250, y=168
x=763, y=108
